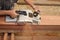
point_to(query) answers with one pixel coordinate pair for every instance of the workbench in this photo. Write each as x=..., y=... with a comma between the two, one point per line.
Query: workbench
x=10, y=29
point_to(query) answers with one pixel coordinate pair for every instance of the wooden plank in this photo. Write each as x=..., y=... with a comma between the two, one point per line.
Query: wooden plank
x=5, y=36
x=36, y=27
x=46, y=38
x=12, y=36
x=42, y=2
x=46, y=20
x=23, y=37
x=37, y=38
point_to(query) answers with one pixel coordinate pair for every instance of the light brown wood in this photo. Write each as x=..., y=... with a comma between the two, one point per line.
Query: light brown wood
x=5, y=36
x=45, y=20
x=12, y=36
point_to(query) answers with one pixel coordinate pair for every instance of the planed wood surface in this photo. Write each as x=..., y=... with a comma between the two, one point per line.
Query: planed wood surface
x=45, y=20
x=57, y=2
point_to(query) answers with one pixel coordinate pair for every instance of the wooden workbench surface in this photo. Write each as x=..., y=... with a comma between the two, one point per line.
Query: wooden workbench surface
x=47, y=23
